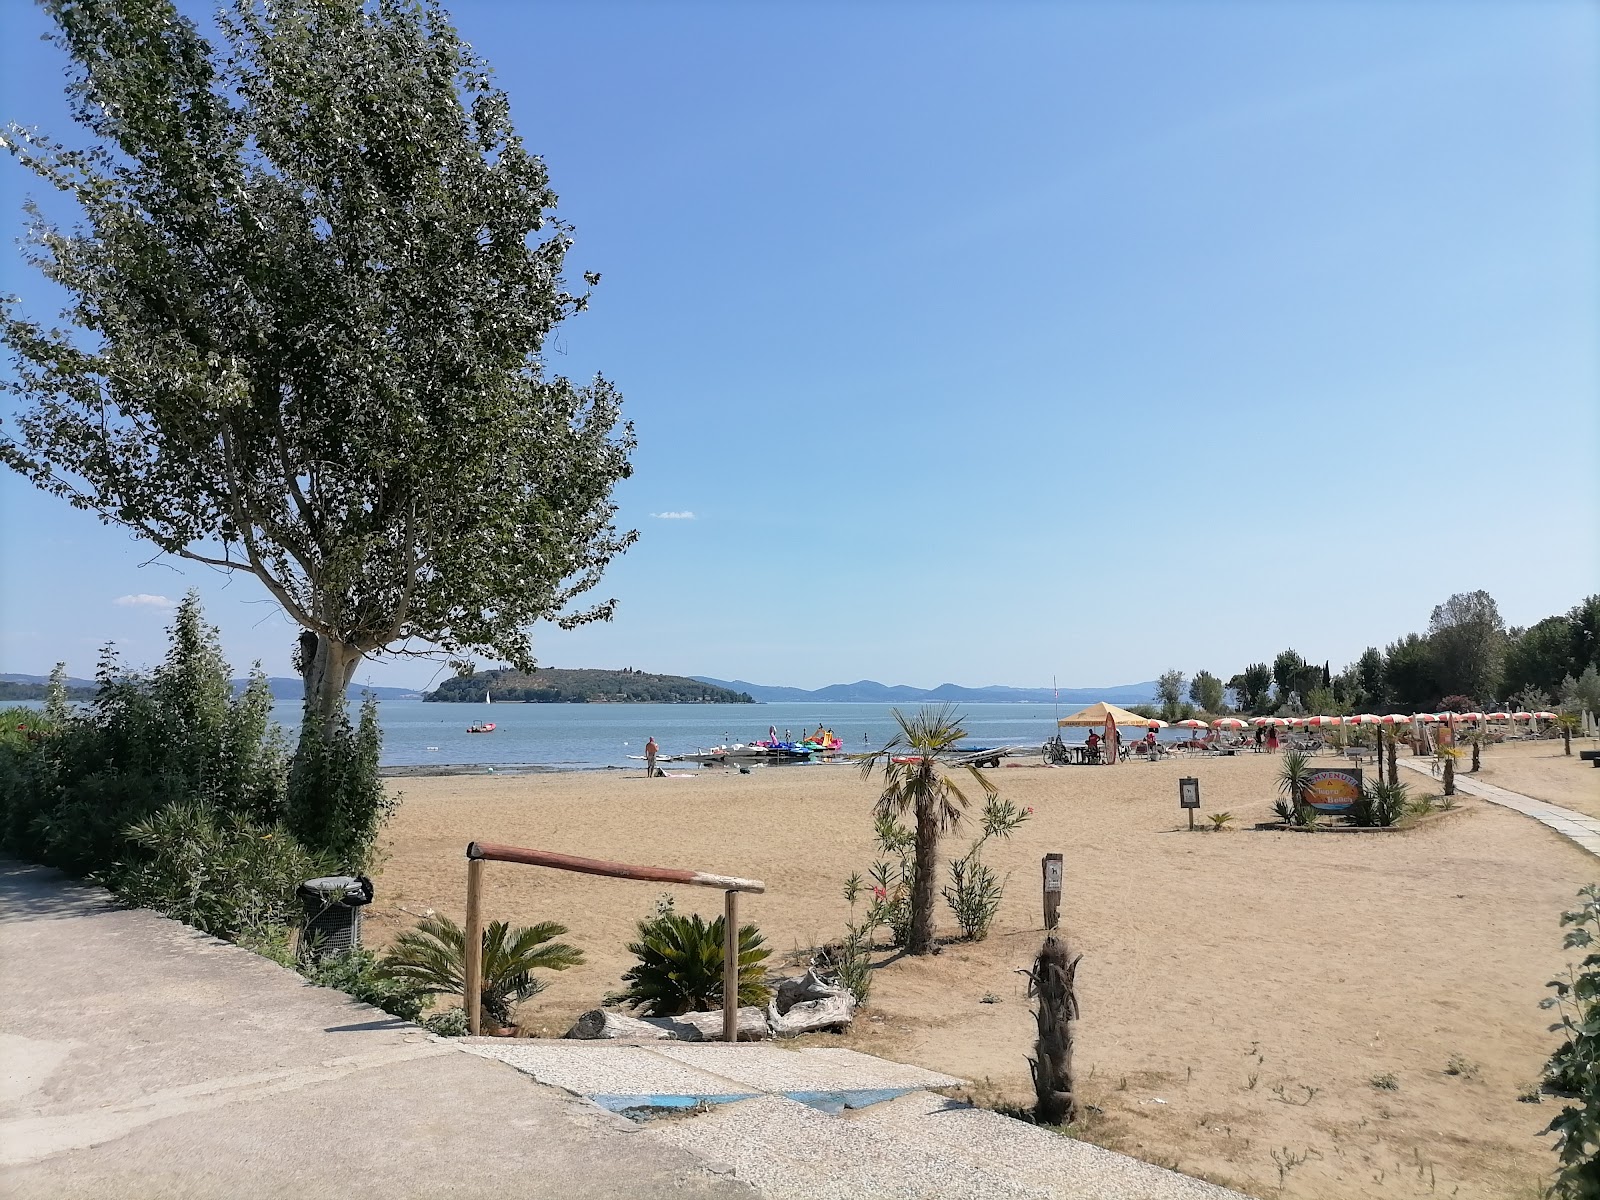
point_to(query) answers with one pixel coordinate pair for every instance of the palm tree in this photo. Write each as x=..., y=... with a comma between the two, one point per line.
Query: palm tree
x=1294, y=782
x=1448, y=756
x=913, y=782
x=430, y=956
x=1568, y=723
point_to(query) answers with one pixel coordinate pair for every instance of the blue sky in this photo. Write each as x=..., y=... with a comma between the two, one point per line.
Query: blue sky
x=994, y=342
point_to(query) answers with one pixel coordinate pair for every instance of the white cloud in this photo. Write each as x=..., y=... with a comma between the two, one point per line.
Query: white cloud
x=144, y=600
x=673, y=516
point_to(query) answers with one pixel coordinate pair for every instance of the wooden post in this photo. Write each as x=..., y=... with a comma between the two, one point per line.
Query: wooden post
x=472, y=986
x=1051, y=865
x=730, y=968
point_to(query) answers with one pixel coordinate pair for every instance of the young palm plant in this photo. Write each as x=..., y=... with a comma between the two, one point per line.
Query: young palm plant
x=1294, y=784
x=1448, y=756
x=914, y=782
x=431, y=958
x=680, y=966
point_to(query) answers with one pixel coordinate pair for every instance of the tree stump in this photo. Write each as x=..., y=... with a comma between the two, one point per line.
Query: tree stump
x=1052, y=982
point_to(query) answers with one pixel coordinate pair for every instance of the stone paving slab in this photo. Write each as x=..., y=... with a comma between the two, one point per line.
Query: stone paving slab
x=596, y=1070
x=1579, y=828
x=767, y=1068
x=1055, y=1163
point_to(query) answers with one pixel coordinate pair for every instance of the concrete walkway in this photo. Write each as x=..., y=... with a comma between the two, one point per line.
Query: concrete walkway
x=1584, y=830
x=140, y=1058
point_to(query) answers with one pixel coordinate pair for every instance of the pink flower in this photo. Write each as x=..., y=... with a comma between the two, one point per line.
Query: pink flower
x=1029, y=810
x=879, y=894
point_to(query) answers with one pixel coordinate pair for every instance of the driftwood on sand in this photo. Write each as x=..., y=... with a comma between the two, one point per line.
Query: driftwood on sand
x=808, y=1004
x=602, y=1024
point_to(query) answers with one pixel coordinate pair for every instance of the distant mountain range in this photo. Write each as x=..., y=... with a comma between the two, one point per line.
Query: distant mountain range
x=867, y=691
x=282, y=689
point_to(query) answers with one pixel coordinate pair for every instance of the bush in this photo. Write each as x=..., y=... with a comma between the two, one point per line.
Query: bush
x=680, y=965
x=358, y=973
x=975, y=891
x=215, y=872
x=430, y=958
x=336, y=798
x=449, y=1022
x=1574, y=1069
x=1381, y=804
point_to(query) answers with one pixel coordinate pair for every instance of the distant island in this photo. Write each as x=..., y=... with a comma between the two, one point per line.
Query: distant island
x=556, y=686
x=868, y=691
x=34, y=687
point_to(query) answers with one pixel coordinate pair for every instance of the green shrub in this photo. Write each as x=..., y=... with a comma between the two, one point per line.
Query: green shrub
x=1574, y=1069
x=448, y=1022
x=215, y=872
x=430, y=958
x=975, y=891
x=1380, y=804
x=679, y=966
x=336, y=798
x=358, y=973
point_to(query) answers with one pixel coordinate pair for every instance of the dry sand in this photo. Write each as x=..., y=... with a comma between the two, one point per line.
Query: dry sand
x=1239, y=990
x=1540, y=769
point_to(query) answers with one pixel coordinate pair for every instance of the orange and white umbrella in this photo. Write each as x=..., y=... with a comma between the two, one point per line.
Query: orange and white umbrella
x=1522, y=716
x=1544, y=716
x=1394, y=719
x=1270, y=721
x=1231, y=723
x=1427, y=718
x=1499, y=716
x=1364, y=719
x=1314, y=722
x=1193, y=723
x=1157, y=723
x=1473, y=716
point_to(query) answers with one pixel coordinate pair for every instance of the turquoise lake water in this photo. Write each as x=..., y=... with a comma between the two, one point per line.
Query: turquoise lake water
x=572, y=736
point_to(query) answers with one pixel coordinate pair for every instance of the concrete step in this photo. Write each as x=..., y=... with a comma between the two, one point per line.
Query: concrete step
x=1028, y=1156
x=791, y=1151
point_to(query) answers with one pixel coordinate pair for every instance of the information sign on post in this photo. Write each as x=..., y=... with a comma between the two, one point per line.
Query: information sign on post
x=1051, y=864
x=1189, y=796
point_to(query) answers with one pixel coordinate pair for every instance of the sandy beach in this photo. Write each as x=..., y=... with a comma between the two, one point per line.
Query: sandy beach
x=1240, y=990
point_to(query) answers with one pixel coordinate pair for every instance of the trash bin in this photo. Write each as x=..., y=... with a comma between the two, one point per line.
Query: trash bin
x=333, y=914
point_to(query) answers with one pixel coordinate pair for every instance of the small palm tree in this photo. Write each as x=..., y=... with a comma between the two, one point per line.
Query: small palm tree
x=1448, y=755
x=1294, y=781
x=1568, y=723
x=914, y=782
x=680, y=966
x=431, y=956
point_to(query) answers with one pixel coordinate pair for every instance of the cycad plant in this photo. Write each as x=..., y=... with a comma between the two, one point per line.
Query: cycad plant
x=431, y=957
x=914, y=781
x=1294, y=782
x=680, y=965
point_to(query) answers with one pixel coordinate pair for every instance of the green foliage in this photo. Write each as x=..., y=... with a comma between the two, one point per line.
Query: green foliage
x=359, y=973
x=308, y=291
x=1581, y=693
x=850, y=962
x=214, y=871
x=1169, y=690
x=1206, y=690
x=73, y=783
x=431, y=959
x=1410, y=679
x=1219, y=820
x=449, y=1022
x=1381, y=804
x=1539, y=656
x=336, y=799
x=1294, y=779
x=1252, y=688
x=1285, y=811
x=1294, y=679
x=1467, y=640
x=917, y=784
x=1574, y=1070
x=679, y=966
x=553, y=686
x=975, y=891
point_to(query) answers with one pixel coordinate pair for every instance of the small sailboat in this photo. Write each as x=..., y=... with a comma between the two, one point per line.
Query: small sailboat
x=481, y=727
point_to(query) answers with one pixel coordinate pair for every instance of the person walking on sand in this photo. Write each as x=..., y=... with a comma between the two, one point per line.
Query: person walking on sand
x=1261, y=732
x=650, y=752
x=1272, y=739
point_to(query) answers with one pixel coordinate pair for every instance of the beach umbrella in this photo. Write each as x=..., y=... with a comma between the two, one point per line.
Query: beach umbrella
x=1319, y=721
x=1499, y=716
x=1394, y=719
x=1231, y=723
x=1474, y=716
x=1157, y=723
x=1544, y=716
x=1522, y=716
x=1191, y=723
x=1427, y=718
x=1270, y=721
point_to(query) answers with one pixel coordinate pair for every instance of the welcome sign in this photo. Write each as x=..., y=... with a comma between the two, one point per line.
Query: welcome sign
x=1334, y=789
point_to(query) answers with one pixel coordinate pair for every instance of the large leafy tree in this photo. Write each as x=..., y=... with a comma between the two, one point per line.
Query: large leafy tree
x=915, y=781
x=308, y=295
x=1468, y=642
x=1252, y=688
x=1205, y=689
x=1411, y=683
x=1539, y=656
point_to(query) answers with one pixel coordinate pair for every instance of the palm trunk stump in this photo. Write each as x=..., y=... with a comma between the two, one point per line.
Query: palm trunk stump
x=1052, y=982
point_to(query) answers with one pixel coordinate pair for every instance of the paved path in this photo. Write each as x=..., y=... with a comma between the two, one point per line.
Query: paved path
x=1584, y=830
x=141, y=1059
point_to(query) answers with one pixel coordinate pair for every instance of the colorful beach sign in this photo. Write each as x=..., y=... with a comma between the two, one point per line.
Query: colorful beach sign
x=1334, y=789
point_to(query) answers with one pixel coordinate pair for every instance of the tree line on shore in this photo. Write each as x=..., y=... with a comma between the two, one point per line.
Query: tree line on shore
x=1468, y=659
x=583, y=686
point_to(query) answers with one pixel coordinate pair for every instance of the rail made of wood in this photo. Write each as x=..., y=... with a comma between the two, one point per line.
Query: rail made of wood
x=479, y=853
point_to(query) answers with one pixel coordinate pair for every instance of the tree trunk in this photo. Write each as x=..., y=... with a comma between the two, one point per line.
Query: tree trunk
x=327, y=666
x=1477, y=756
x=1449, y=777
x=1566, y=740
x=1052, y=982
x=920, y=940
x=1394, y=767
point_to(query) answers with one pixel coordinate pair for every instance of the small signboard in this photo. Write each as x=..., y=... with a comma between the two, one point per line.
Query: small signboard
x=1334, y=789
x=1050, y=866
x=1052, y=874
x=1188, y=793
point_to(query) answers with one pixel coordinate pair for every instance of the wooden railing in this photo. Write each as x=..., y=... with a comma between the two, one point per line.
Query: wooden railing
x=479, y=853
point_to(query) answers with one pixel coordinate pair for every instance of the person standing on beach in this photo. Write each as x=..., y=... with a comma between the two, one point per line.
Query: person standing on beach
x=1260, y=733
x=1272, y=739
x=650, y=752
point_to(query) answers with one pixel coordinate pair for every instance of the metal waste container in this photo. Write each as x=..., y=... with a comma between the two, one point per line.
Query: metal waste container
x=333, y=907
